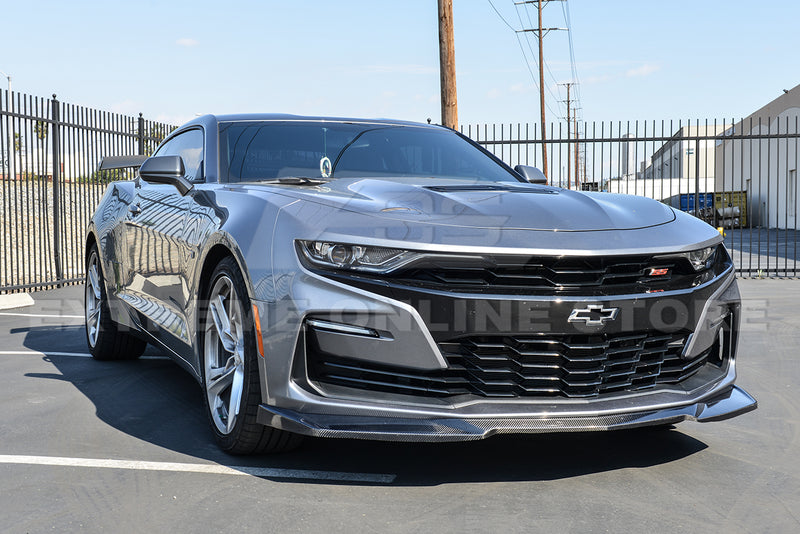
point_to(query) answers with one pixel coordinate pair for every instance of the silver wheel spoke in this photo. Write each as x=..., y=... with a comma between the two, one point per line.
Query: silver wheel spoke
x=215, y=372
x=93, y=317
x=221, y=382
x=222, y=324
x=224, y=355
x=236, y=396
x=94, y=282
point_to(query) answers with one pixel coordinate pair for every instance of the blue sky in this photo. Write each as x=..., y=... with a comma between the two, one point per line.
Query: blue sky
x=174, y=59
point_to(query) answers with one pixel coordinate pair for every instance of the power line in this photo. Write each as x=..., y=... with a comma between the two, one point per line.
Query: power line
x=546, y=64
x=522, y=49
x=530, y=47
x=573, y=63
x=501, y=17
x=541, y=31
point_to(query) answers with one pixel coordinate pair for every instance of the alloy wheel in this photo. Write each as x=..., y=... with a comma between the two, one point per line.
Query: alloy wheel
x=93, y=300
x=224, y=354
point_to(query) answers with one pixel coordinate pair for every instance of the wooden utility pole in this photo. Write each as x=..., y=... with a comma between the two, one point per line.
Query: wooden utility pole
x=577, y=168
x=447, y=65
x=569, y=137
x=540, y=33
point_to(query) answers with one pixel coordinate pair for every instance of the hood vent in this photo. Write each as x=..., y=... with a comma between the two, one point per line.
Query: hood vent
x=490, y=187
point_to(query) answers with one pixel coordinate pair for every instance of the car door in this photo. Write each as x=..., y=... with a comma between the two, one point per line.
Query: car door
x=157, y=251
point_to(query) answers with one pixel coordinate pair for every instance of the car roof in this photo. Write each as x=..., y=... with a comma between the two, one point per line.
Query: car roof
x=207, y=120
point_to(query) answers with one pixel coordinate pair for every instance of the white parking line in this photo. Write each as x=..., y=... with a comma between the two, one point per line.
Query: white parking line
x=5, y=314
x=66, y=354
x=15, y=300
x=213, y=469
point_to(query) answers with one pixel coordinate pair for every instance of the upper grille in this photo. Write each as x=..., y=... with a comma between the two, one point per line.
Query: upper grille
x=549, y=274
x=514, y=274
x=573, y=366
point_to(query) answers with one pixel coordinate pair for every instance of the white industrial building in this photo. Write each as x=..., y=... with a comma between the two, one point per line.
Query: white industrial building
x=765, y=167
x=684, y=164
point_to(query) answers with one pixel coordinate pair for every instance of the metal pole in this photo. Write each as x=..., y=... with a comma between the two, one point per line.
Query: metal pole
x=10, y=157
x=697, y=176
x=56, y=189
x=141, y=134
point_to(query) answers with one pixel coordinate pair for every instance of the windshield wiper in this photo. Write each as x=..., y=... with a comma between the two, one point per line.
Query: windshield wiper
x=295, y=180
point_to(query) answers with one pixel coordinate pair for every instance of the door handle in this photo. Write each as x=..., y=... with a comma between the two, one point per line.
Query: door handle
x=134, y=209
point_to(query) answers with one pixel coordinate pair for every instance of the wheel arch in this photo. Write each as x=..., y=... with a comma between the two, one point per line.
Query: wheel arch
x=91, y=239
x=215, y=253
x=212, y=258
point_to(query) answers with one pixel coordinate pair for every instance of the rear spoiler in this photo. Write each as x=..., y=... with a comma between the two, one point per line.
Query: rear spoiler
x=121, y=162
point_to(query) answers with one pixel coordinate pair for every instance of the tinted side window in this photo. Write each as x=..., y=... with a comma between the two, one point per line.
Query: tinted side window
x=189, y=146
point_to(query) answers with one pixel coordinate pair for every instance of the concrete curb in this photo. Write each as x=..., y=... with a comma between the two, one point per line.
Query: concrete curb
x=15, y=300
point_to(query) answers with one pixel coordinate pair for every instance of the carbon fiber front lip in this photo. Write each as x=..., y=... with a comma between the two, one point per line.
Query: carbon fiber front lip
x=730, y=403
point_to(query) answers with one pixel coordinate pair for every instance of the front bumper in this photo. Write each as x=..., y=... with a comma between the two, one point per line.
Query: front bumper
x=729, y=403
x=412, y=332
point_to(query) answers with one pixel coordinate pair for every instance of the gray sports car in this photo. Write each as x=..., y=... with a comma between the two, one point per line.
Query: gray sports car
x=394, y=281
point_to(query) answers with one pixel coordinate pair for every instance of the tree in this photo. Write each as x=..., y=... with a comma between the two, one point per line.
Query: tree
x=40, y=128
x=153, y=137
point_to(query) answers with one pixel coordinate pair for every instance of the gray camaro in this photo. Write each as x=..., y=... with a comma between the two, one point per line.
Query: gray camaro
x=394, y=281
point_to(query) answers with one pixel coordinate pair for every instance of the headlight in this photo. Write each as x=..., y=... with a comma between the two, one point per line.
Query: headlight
x=354, y=257
x=701, y=259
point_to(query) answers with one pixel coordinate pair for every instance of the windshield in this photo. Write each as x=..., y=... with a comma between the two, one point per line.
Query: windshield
x=270, y=150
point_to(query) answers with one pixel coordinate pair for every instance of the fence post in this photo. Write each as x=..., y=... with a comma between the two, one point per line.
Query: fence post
x=697, y=176
x=141, y=134
x=56, y=189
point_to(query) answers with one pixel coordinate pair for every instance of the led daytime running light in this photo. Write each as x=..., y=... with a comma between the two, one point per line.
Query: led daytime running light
x=355, y=257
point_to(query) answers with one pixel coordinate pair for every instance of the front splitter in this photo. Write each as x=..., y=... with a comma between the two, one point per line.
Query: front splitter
x=730, y=403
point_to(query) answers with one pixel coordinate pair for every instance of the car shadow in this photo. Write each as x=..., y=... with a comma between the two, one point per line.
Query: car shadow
x=154, y=400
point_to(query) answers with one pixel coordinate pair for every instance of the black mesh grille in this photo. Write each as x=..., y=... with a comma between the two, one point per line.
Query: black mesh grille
x=573, y=366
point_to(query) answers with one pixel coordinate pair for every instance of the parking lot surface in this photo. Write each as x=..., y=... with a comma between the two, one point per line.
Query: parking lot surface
x=125, y=447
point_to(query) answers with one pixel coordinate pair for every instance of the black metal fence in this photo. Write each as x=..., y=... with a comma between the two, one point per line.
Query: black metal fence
x=50, y=185
x=740, y=176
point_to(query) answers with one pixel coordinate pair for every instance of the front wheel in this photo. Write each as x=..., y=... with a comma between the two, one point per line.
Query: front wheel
x=231, y=380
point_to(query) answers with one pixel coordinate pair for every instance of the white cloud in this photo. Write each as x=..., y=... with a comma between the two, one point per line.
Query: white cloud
x=186, y=41
x=643, y=70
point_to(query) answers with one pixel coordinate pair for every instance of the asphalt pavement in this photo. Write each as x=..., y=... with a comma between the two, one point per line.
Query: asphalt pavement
x=125, y=447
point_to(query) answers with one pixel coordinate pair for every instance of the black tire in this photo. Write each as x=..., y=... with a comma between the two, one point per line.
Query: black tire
x=225, y=291
x=107, y=340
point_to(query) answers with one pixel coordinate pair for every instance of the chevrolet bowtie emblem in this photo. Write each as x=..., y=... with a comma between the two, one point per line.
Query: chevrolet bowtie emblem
x=593, y=315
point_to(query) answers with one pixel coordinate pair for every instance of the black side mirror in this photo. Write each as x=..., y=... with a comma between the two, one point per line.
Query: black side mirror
x=532, y=174
x=166, y=170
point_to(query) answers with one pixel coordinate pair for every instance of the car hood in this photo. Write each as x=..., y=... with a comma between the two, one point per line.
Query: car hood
x=485, y=204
